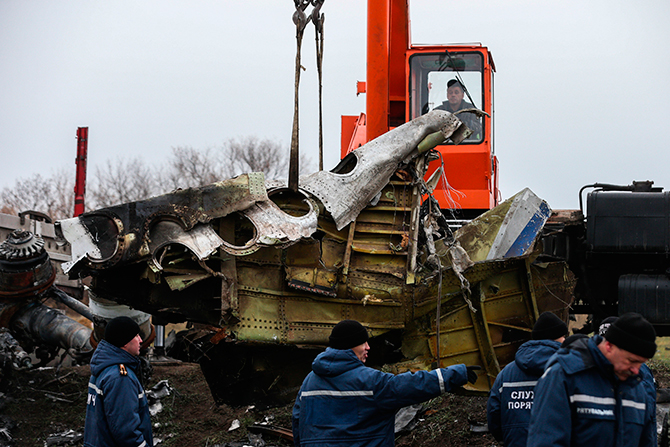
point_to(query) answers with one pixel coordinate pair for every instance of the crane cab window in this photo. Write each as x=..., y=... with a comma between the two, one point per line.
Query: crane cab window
x=449, y=81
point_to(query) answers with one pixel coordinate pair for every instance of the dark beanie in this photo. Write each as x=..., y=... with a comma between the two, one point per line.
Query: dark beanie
x=605, y=324
x=120, y=331
x=348, y=334
x=632, y=333
x=549, y=327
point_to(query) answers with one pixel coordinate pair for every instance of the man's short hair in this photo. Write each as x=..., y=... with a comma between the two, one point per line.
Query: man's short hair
x=455, y=82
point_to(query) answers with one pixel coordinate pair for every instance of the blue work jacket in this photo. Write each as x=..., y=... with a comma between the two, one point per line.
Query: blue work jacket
x=117, y=412
x=343, y=402
x=580, y=402
x=511, y=398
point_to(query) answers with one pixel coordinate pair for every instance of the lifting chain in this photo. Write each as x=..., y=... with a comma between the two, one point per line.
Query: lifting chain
x=300, y=19
x=318, y=19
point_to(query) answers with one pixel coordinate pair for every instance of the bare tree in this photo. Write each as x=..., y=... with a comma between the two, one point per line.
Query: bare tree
x=53, y=196
x=251, y=154
x=63, y=192
x=190, y=168
x=122, y=181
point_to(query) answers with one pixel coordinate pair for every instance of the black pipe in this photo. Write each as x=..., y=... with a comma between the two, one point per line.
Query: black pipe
x=76, y=305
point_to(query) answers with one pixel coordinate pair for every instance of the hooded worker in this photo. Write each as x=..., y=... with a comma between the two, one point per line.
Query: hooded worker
x=117, y=412
x=511, y=399
x=593, y=393
x=343, y=402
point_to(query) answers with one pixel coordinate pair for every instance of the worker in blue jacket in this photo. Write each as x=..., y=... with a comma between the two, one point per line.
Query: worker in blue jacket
x=117, y=412
x=645, y=373
x=344, y=403
x=591, y=393
x=511, y=398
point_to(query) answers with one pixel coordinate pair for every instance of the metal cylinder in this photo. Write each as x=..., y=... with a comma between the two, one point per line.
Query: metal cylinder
x=159, y=342
x=43, y=324
x=74, y=304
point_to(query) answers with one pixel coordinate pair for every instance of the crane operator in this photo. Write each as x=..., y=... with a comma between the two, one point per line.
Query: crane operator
x=455, y=102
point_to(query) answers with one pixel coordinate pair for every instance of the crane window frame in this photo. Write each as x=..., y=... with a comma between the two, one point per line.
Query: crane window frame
x=429, y=74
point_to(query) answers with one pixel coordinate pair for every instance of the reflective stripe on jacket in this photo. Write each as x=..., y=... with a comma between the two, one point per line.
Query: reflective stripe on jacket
x=511, y=398
x=117, y=412
x=343, y=402
x=580, y=402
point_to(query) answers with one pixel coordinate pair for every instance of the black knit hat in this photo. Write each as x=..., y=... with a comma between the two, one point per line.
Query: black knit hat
x=549, y=327
x=605, y=324
x=632, y=333
x=120, y=331
x=348, y=334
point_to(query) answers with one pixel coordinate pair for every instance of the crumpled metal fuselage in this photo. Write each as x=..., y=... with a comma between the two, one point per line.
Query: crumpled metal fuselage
x=364, y=241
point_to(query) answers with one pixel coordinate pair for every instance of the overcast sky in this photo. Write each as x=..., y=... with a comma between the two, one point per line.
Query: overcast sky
x=582, y=87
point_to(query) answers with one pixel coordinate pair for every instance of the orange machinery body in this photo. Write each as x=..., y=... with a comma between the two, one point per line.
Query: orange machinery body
x=405, y=81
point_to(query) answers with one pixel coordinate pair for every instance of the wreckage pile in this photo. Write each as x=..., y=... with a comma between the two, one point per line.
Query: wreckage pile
x=267, y=271
x=262, y=272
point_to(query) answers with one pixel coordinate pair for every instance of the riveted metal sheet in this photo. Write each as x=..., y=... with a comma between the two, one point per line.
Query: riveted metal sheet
x=274, y=227
x=132, y=222
x=383, y=222
x=345, y=194
x=332, y=252
x=312, y=279
x=311, y=324
x=260, y=277
x=259, y=317
x=265, y=256
x=236, y=194
x=384, y=288
x=306, y=253
x=382, y=244
x=504, y=299
x=383, y=264
x=202, y=241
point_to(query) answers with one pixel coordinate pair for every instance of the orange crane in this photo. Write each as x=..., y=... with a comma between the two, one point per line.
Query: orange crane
x=404, y=81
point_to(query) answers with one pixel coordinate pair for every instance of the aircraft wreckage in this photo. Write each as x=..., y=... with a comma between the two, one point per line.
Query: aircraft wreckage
x=267, y=271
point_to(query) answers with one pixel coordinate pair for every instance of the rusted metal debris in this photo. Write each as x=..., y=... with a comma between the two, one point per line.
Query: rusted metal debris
x=27, y=276
x=268, y=272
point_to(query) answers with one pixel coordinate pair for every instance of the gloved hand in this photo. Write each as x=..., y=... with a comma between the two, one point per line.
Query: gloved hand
x=472, y=373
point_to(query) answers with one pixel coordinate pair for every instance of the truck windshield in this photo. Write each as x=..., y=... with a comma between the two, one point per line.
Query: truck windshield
x=449, y=81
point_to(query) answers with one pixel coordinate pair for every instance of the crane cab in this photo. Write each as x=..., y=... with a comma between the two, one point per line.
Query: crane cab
x=404, y=81
x=469, y=186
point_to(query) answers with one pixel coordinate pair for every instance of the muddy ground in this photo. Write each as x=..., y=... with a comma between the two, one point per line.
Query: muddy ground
x=46, y=408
